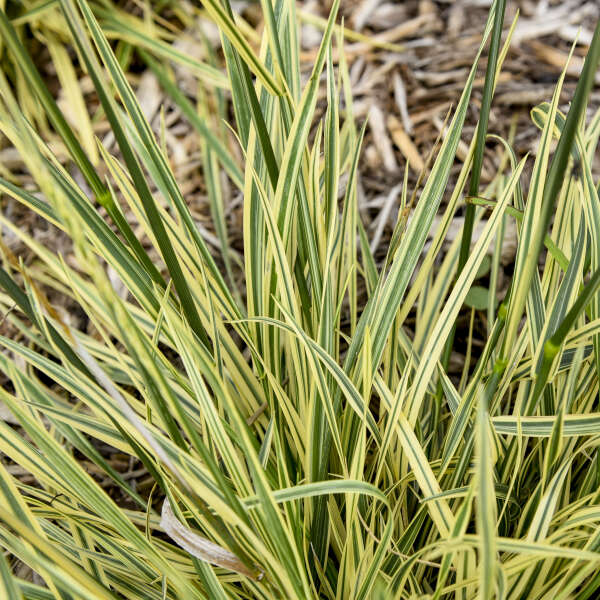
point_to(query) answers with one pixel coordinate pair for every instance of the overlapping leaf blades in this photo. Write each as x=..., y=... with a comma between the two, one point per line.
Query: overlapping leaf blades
x=315, y=447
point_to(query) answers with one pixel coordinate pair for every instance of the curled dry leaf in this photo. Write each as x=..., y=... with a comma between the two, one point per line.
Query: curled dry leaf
x=202, y=548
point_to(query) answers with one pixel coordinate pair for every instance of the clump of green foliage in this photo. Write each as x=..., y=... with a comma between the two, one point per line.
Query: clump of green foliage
x=300, y=442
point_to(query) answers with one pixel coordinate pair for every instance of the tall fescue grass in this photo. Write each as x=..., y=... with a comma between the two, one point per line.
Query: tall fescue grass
x=302, y=443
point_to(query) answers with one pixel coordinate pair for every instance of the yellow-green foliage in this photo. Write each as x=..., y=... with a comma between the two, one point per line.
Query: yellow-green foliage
x=301, y=444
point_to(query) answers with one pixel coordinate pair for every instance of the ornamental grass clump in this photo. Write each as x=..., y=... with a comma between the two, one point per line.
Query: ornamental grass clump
x=301, y=441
